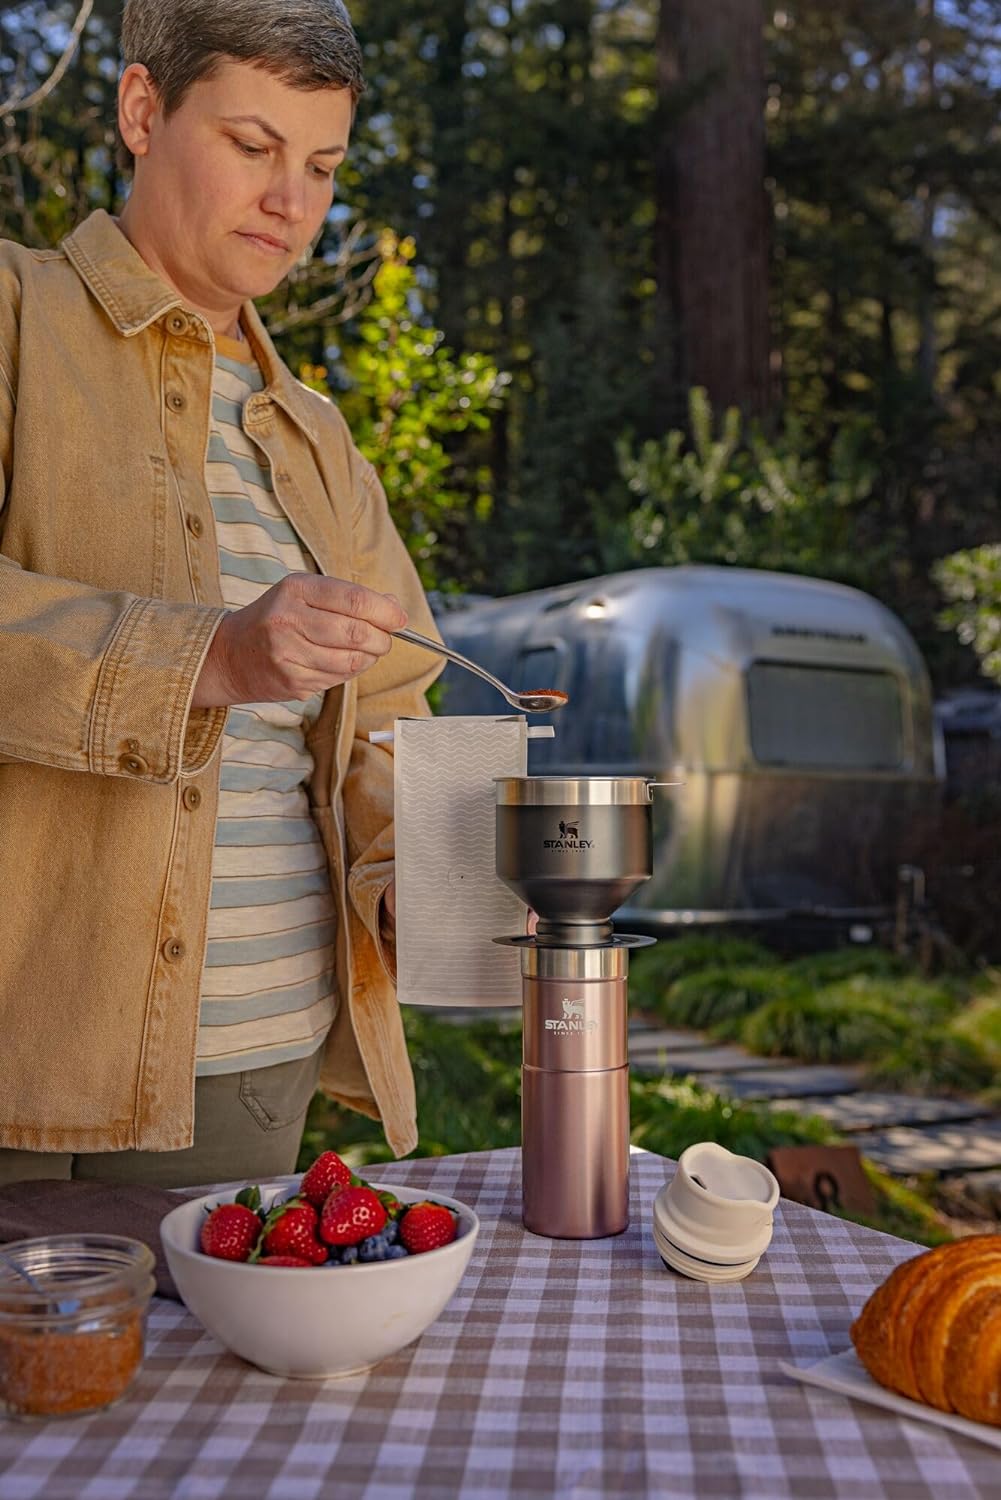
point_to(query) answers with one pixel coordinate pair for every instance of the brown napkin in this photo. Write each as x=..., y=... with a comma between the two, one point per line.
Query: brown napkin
x=44, y=1206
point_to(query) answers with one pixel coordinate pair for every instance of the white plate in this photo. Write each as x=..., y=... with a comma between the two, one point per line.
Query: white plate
x=847, y=1376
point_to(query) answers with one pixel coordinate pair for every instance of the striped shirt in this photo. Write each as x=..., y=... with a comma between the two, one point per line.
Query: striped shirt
x=268, y=983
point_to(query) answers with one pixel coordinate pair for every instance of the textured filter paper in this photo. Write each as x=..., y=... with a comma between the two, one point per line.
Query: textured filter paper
x=450, y=904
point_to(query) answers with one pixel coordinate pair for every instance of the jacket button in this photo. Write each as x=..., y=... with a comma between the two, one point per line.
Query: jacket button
x=177, y=323
x=176, y=401
x=191, y=797
x=172, y=950
x=195, y=524
x=134, y=765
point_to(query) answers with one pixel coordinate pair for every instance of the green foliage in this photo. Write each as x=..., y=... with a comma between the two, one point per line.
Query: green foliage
x=847, y=1005
x=980, y=1022
x=971, y=581
x=467, y=1078
x=668, y=1116
x=720, y=998
x=935, y=1059
x=818, y=969
x=735, y=497
x=652, y=970
x=900, y=1211
x=824, y=1028
x=918, y=1000
x=406, y=396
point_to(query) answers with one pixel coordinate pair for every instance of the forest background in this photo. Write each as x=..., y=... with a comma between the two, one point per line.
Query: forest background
x=613, y=283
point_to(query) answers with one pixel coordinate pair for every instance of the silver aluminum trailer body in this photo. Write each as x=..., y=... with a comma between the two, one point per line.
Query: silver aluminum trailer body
x=797, y=712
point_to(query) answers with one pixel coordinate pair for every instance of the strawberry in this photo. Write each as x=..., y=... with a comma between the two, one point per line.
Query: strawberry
x=285, y=1260
x=350, y=1215
x=230, y=1232
x=427, y=1226
x=326, y=1173
x=290, y=1229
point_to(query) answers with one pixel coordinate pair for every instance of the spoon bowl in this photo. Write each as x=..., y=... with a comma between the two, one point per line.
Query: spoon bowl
x=536, y=701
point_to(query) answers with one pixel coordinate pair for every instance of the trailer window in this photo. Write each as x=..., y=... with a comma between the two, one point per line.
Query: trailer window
x=824, y=716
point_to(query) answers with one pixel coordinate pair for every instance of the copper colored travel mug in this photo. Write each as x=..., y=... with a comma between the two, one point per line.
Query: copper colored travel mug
x=575, y=1092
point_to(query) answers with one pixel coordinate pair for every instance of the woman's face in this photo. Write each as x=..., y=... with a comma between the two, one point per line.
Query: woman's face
x=232, y=188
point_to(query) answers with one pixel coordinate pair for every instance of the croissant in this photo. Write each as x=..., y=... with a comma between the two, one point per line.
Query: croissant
x=932, y=1331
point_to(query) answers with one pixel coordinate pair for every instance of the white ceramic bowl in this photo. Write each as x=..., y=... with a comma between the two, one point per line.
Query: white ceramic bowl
x=325, y=1321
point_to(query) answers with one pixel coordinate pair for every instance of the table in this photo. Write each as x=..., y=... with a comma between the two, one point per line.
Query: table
x=561, y=1369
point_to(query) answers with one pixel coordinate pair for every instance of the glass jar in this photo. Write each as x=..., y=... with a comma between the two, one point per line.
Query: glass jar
x=71, y=1338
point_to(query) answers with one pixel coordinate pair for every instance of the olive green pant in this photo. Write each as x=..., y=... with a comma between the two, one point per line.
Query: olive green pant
x=247, y=1126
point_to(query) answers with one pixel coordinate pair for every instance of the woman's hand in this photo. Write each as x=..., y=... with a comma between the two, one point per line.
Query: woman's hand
x=306, y=634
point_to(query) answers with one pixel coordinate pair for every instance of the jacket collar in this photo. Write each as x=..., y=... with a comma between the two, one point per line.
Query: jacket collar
x=134, y=297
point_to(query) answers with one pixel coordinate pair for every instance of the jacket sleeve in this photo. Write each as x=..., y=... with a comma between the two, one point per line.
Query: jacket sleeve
x=91, y=680
x=394, y=688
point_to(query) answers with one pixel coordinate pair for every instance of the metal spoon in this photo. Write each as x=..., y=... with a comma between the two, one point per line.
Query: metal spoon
x=539, y=701
x=12, y=1265
x=63, y=1305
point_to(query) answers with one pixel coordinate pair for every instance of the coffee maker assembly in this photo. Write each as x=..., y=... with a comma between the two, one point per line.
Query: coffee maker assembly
x=574, y=849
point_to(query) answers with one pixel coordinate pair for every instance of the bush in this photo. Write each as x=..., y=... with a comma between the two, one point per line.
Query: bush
x=669, y=1115
x=819, y=969
x=721, y=997
x=825, y=1027
x=900, y=1211
x=916, y=999
x=980, y=1023
x=937, y=1060
x=673, y=957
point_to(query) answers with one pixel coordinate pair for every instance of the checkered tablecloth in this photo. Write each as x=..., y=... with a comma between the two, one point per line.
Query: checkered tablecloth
x=560, y=1369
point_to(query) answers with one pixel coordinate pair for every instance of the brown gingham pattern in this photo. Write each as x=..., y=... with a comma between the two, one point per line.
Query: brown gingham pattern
x=564, y=1369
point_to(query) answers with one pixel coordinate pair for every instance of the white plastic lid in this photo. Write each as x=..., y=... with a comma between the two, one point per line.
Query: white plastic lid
x=716, y=1213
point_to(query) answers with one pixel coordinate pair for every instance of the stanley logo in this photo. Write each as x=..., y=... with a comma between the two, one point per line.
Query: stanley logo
x=573, y=1019
x=569, y=838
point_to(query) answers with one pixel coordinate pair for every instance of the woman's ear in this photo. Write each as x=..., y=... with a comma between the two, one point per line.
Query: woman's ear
x=138, y=102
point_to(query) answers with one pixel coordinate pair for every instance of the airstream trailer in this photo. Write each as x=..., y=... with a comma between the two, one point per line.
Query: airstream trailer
x=797, y=713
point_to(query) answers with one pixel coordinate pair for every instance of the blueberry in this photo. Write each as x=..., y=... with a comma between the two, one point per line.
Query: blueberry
x=373, y=1248
x=397, y=1252
x=391, y=1232
x=349, y=1255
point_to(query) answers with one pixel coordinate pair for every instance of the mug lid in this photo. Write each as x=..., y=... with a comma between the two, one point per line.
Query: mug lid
x=718, y=1206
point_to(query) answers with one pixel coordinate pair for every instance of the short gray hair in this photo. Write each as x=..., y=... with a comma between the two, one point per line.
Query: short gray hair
x=308, y=44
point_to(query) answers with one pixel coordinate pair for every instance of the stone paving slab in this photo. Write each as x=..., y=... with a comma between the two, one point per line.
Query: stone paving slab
x=783, y=1081
x=937, y=1148
x=864, y=1111
x=658, y=1038
x=713, y=1059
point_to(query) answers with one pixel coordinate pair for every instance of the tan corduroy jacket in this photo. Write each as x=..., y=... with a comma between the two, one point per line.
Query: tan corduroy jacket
x=109, y=598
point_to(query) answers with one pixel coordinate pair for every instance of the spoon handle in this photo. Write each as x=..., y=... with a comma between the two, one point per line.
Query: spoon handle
x=460, y=661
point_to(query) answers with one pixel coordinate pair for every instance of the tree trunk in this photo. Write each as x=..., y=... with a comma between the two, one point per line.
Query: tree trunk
x=712, y=211
x=451, y=193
